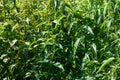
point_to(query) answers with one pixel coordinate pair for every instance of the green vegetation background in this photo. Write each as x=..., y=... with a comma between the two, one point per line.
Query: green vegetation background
x=59, y=39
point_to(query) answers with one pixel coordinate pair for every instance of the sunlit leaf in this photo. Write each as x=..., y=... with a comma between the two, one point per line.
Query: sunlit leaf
x=94, y=48
x=13, y=43
x=58, y=65
x=105, y=62
x=27, y=21
x=56, y=22
x=76, y=45
x=109, y=23
x=71, y=25
x=89, y=29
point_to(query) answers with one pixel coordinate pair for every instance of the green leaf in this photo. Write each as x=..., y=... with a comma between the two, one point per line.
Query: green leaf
x=56, y=21
x=68, y=4
x=27, y=21
x=89, y=29
x=85, y=60
x=15, y=27
x=71, y=25
x=94, y=48
x=105, y=62
x=58, y=65
x=13, y=42
x=76, y=45
x=109, y=23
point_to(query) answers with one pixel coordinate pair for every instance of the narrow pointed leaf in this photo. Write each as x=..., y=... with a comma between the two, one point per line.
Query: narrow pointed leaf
x=105, y=62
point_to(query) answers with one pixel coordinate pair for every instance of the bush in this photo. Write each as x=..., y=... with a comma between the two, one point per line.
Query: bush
x=59, y=39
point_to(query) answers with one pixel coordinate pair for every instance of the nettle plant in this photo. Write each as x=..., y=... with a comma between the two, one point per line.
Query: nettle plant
x=59, y=39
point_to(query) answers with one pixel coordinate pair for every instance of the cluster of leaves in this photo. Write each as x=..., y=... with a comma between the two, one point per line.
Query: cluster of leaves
x=60, y=39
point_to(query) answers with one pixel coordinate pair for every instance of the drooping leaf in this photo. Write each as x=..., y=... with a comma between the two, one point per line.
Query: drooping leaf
x=89, y=29
x=58, y=65
x=105, y=62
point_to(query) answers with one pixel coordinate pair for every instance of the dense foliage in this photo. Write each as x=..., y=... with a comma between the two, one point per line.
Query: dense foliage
x=59, y=39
